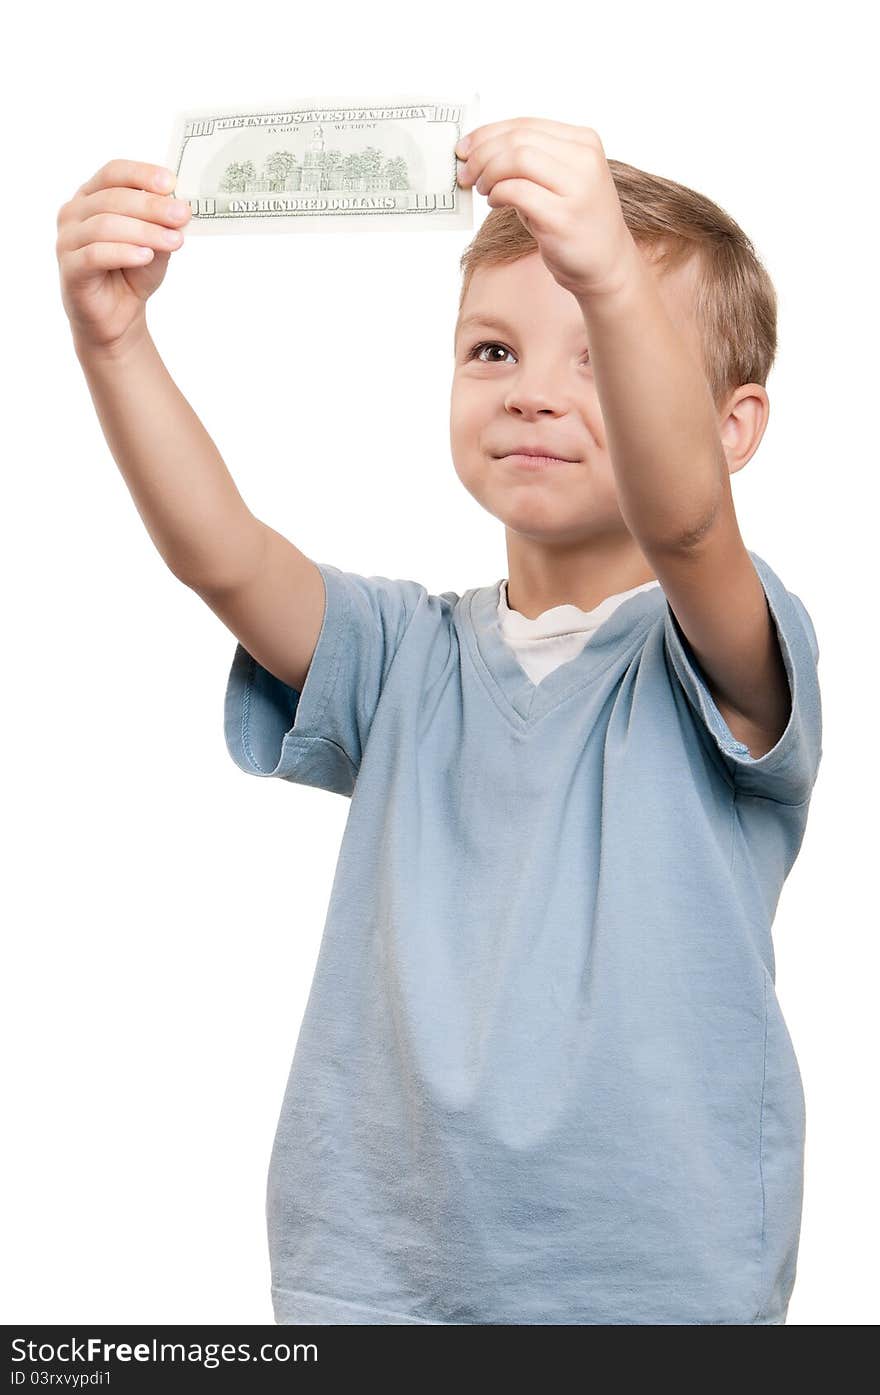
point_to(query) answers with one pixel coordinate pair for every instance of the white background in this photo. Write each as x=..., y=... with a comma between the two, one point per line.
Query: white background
x=162, y=910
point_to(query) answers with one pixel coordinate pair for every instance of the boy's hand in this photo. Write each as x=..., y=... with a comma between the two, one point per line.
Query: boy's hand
x=558, y=180
x=106, y=276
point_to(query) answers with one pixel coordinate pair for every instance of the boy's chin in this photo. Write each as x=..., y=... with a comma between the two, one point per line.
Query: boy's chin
x=546, y=525
x=533, y=513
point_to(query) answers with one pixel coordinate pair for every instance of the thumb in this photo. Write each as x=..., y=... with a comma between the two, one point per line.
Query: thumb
x=144, y=280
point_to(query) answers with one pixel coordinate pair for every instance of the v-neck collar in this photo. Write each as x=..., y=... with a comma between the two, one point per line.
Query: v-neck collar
x=524, y=701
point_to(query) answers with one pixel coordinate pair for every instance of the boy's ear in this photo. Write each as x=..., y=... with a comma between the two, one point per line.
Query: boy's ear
x=743, y=422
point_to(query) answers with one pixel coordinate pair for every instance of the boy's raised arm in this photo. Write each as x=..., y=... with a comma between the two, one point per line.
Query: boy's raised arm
x=180, y=485
x=263, y=588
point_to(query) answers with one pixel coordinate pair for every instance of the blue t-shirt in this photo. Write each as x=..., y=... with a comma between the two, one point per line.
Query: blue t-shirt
x=542, y=1075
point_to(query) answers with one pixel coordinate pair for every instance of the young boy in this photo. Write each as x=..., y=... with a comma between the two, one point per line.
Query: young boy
x=542, y=1075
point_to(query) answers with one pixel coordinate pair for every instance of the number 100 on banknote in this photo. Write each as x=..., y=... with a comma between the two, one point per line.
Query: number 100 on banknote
x=323, y=165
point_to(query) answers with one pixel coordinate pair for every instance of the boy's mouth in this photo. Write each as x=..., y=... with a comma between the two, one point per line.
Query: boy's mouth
x=541, y=452
x=527, y=461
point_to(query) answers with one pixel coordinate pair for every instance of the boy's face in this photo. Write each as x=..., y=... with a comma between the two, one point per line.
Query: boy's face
x=533, y=386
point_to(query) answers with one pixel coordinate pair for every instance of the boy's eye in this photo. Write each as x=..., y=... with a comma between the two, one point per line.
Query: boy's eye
x=487, y=344
x=492, y=344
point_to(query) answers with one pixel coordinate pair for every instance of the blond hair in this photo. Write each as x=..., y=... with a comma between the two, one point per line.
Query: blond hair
x=734, y=299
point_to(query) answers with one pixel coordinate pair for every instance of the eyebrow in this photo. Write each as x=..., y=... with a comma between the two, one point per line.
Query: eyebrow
x=494, y=322
x=490, y=321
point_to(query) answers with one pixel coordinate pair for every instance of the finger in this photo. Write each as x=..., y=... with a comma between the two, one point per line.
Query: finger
x=533, y=140
x=582, y=135
x=117, y=227
x=131, y=174
x=154, y=208
x=82, y=263
x=531, y=163
x=527, y=198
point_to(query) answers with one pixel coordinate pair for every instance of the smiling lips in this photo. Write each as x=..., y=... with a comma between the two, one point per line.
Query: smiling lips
x=538, y=453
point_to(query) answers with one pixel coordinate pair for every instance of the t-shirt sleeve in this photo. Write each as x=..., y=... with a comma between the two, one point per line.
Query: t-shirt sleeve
x=317, y=736
x=788, y=771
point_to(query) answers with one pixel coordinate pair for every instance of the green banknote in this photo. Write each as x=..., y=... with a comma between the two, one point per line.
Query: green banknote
x=323, y=164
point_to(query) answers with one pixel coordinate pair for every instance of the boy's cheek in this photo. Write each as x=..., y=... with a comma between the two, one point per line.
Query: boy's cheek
x=474, y=471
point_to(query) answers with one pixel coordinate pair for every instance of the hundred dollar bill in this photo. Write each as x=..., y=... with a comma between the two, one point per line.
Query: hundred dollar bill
x=324, y=164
